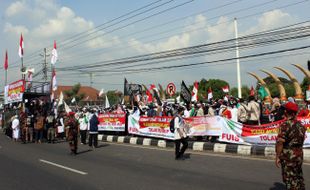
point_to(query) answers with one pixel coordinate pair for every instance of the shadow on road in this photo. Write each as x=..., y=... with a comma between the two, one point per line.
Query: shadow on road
x=187, y=156
x=103, y=145
x=84, y=151
x=278, y=186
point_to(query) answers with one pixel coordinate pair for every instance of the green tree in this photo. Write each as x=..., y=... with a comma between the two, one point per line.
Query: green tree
x=273, y=88
x=304, y=84
x=114, y=97
x=74, y=93
x=216, y=86
x=245, y=92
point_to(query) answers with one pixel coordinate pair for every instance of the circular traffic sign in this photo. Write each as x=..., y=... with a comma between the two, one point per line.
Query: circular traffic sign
x=171, y=89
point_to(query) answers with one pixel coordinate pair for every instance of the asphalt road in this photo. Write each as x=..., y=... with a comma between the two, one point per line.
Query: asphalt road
x=119, y=166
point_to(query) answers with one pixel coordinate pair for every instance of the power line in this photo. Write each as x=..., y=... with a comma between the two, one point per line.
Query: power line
x=82, y=33
x=247, y=16
x=243, y=41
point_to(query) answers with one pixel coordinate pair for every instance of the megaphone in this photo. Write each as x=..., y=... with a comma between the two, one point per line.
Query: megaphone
x=25, y=70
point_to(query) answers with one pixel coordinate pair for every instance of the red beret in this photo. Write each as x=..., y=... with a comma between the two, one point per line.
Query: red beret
x=291, y=106
x=71, y=113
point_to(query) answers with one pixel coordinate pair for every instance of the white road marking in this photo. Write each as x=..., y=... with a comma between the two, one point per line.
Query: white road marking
x=226, y=155
x=63, y=167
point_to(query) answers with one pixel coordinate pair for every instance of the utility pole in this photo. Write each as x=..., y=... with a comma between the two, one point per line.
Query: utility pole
x=44, y=55
x=91, y=79
x=238, y=60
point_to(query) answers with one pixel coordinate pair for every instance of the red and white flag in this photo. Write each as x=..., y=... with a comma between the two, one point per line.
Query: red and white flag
x=225, y=89
x=210, y=94
x=54, y=57
x=54, y=81
x=29, y=78
x=195, y=92
x=149, y=96
x=6, y=61
x=21, y=47
x=252, y=91
x=149, y=93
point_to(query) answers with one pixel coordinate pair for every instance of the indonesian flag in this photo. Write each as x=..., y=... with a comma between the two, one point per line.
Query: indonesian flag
x=21, y=47
x=29, y=78
x=54, y=57
x=6, y=61
x=252, y=91
x=225, y=89
x=149, y=94
x=54, y=81
x=101, y=92
x=210, y=94
x=195, y=92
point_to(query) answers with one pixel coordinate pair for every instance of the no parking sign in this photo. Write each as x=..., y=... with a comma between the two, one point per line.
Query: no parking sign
x=171, y=89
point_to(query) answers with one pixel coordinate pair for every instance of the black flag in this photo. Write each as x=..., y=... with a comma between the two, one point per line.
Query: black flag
x=132, y=89
x=126, y=88
x=185, y=93
x=156, y=95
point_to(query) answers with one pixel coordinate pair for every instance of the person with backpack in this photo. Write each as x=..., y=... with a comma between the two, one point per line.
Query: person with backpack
x=178, y=128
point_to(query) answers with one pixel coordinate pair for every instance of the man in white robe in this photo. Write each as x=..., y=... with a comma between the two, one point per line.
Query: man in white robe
x=15, y=128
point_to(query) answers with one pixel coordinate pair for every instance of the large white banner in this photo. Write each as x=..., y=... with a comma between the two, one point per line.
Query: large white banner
x=14, y=92
x=159, y=126
x=150, y=126
x=234, y=132
x=112, y=122
x=227, y=130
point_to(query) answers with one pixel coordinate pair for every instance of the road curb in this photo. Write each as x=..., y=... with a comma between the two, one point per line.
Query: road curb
x=243, y=150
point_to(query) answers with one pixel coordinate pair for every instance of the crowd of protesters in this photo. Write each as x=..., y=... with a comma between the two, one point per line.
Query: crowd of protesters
x=250, y=112
x=38, y=121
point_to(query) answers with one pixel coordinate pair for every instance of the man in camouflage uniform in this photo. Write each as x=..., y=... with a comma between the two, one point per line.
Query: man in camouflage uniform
x=73, y=132
x=289, y=152
x=23, y=126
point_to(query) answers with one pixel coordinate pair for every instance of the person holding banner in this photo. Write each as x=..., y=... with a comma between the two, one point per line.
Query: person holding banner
x=180, y=134
x=289, y=148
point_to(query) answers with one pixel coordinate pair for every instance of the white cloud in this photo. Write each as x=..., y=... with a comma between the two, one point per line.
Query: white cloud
x=65, y=23
x=15, y=8
x=174, y=42
x=222, y=30
x=16, y=30
x=270, y=20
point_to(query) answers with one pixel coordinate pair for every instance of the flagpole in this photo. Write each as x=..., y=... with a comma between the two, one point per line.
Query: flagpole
x=23, y=76
x=6, y=77
x=237, y=59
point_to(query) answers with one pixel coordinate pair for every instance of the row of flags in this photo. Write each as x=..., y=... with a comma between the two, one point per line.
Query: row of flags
x=134, y=91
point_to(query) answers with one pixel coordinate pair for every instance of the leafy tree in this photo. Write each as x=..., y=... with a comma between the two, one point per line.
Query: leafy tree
x=74, y=93
x=114, y=97
x=288, y=85
x=216, y=86
x=304, y=84
x=245, y=91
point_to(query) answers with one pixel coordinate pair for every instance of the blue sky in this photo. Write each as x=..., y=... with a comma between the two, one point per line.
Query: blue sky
x=42, y=22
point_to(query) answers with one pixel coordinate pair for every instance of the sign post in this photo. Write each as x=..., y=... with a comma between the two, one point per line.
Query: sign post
x=171, y=89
